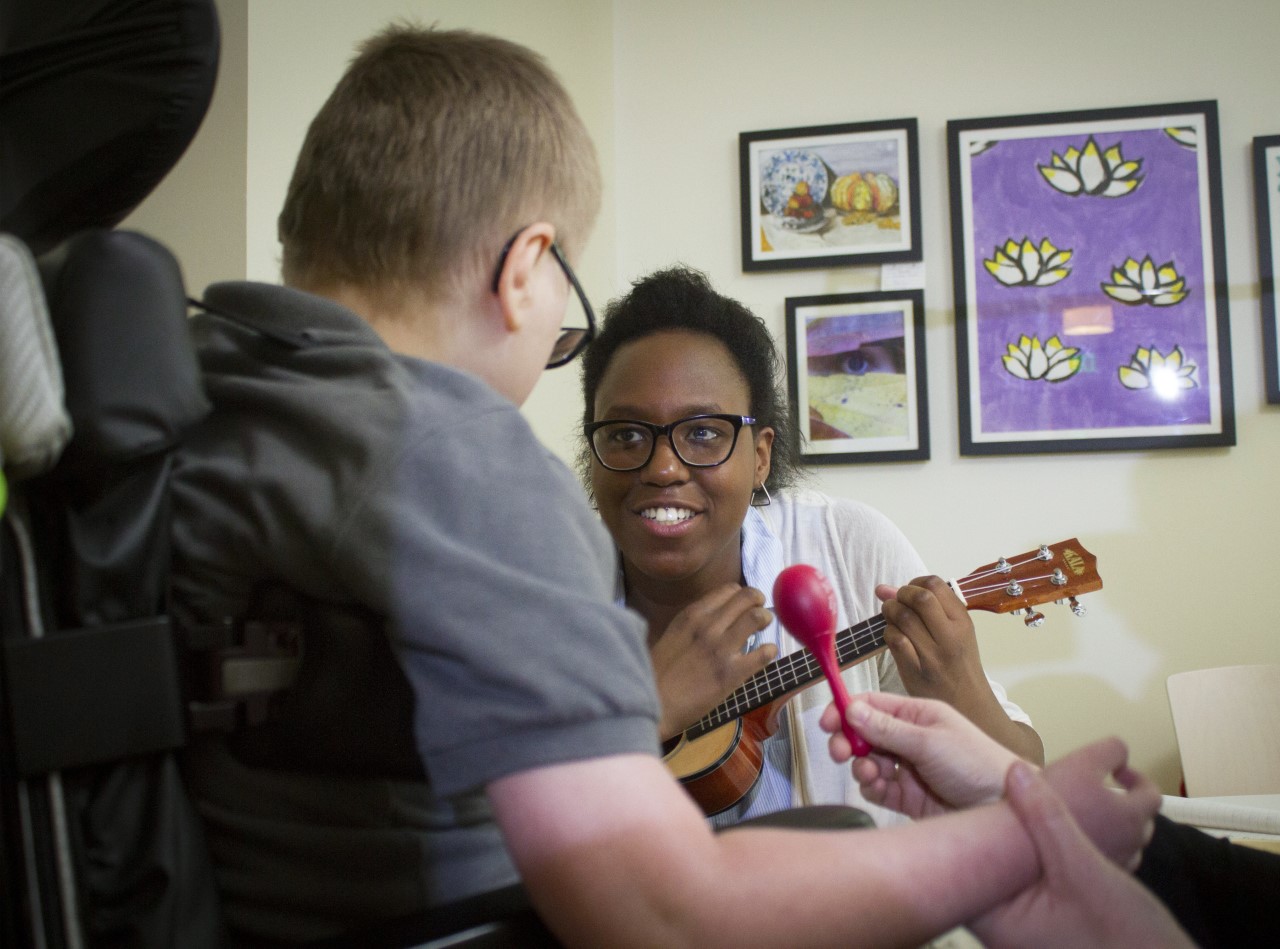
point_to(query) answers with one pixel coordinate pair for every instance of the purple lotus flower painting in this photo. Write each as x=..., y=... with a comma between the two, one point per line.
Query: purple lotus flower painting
x=1090, y=285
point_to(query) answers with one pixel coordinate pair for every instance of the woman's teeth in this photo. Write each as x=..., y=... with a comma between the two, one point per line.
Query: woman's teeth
x=666, y=515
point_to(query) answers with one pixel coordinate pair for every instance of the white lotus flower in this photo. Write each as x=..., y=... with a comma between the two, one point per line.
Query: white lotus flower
x=1184, y=135
x=1137, y=283
x=1028, y=265
x=1165, y=375
x=1052, y=362
x=1091, y=171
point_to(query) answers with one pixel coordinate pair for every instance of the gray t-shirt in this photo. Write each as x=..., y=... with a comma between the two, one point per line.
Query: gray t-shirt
x=415, y=506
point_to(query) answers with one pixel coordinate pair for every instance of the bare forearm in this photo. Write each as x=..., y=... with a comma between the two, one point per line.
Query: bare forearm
x=893, y=887
x=1018, y=737
x=635, y=864
x=980, y=706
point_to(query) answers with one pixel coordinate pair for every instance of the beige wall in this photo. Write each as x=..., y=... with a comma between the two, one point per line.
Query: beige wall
x=1185, y=539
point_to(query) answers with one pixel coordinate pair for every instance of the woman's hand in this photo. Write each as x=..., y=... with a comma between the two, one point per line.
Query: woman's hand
x=699, y=660
x=932, y=638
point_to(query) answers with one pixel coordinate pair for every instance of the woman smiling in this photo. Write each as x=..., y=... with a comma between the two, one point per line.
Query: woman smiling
x=690, y=458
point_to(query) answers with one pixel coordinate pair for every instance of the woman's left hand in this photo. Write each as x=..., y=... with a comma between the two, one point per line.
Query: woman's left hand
x=933, y=641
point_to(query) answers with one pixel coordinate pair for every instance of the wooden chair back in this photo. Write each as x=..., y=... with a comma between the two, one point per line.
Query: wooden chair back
x=1227, y=722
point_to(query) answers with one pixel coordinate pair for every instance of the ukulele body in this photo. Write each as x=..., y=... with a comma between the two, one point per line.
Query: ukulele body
x=720, y=767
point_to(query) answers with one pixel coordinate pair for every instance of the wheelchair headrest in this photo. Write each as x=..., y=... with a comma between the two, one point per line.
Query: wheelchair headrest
x=119, y=314
x=98, y=100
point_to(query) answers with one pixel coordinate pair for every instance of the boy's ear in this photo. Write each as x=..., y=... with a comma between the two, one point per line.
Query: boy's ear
x=516, y=281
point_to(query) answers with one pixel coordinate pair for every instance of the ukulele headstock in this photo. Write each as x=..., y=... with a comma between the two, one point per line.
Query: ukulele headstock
x=1052, y=573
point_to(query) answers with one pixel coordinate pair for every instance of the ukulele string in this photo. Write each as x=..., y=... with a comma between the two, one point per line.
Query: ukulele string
x=1004, y=584
x=1004, y=569
x=971, y=584
x=800, y=666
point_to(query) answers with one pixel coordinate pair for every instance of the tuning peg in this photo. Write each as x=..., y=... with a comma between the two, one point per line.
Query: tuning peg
x=1033, y=619
x=1076, y=607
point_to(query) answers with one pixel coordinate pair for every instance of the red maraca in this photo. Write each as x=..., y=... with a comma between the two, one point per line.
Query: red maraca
x=806, y=604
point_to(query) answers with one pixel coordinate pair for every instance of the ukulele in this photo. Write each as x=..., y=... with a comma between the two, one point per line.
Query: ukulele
x=718, y=759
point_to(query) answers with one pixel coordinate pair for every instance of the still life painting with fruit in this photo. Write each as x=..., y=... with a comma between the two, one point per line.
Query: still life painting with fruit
x=803, y=194
x=831, y=194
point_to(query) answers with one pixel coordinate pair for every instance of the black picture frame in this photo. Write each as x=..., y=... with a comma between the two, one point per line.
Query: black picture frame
x=862, y=184
x=856, y=375
x=1090, y=281
x=1266, y=194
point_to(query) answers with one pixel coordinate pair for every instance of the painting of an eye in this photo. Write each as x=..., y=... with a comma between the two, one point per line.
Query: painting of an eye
x=855, y=363
x=855, y=367
x=886, y=355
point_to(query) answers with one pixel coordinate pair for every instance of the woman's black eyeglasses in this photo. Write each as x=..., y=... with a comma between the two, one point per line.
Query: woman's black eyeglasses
x=700, y=441
x=573, y=339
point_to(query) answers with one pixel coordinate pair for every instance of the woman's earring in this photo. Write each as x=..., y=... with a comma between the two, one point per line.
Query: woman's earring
x=755, y=496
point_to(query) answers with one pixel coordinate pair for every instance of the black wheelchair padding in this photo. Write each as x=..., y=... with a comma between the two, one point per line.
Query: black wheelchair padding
x=93, y=695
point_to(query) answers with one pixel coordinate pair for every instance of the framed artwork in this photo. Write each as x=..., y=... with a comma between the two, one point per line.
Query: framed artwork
x=1266, y=185
x=856, y=374
x=830, y=194
x=1090, y=281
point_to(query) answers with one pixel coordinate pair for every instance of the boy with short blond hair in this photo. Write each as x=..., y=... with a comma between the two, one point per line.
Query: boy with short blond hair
x=366, y=470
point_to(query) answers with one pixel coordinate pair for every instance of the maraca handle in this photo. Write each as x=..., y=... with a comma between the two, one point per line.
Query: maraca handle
x=841, y=696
